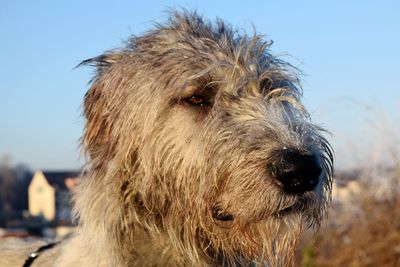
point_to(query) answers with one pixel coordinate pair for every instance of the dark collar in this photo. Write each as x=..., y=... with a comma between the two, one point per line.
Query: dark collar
x=33, y=255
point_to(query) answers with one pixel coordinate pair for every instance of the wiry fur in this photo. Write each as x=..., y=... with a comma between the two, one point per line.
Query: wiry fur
x=159, y=168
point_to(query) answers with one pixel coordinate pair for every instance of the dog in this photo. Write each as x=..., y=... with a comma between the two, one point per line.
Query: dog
x=199, y=151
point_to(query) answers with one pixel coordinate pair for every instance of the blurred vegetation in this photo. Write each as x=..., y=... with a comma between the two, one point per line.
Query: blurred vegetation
x=363, y=229
x=14, y=181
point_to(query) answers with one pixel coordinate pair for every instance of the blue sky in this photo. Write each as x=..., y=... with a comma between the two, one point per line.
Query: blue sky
x=348, y=50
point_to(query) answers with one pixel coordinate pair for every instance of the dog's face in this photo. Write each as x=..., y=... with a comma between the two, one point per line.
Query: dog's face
x=206, y=132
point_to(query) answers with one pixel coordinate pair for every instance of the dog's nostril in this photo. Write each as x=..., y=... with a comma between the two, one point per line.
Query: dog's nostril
x=296, y=173
x=220, y=215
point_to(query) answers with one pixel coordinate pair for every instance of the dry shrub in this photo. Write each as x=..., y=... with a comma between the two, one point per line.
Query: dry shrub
x=366, y=236
x=372, y=239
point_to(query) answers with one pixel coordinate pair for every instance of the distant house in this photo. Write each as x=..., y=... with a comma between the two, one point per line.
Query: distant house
x=49, y=195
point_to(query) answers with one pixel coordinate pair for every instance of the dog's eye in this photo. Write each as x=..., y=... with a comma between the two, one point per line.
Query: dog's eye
x=197, y=101
x=220, y=215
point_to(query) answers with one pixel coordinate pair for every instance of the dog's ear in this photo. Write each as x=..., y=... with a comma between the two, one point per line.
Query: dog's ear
x=103, y=62
x=98, y=126
x=97, y=139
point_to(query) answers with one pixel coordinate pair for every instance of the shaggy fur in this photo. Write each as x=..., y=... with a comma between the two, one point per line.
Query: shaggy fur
x=181, y=127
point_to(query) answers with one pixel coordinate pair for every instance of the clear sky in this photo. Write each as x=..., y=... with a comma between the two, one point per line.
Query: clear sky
x=348, y=50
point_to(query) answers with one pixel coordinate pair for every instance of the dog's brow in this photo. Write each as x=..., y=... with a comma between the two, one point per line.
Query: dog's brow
x=200, y=88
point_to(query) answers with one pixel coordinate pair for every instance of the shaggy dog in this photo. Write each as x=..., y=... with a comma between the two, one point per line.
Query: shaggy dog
x=199, y=154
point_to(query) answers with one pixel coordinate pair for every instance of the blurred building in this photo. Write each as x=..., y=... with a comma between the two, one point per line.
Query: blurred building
x=49, y=195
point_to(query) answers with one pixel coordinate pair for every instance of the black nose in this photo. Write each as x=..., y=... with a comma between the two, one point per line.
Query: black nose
x=294, y=172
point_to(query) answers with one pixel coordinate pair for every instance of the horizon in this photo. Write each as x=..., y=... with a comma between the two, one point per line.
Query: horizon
x=347, y=50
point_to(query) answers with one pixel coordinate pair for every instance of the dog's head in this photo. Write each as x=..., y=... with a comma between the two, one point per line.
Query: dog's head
x=197, y=131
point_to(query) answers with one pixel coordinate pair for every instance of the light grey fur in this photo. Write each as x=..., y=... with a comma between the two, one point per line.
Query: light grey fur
x=159, y=166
